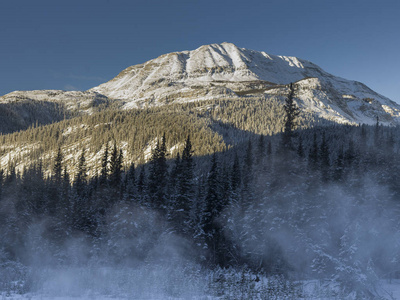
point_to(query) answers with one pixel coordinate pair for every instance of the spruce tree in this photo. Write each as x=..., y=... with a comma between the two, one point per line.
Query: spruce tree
x=57, y=169
x=213, y=207
x=116, y=168
x=260, y=149
x=313, y=155
x=158, y=175
x=185, y=178
x=104, y=166
x=324, y=155
x=81, y=175
x=248, y=167
x=292, y=112
x=236, y=174
x=300, y=149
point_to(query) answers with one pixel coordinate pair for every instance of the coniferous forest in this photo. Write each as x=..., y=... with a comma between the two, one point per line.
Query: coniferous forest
x=265, y=214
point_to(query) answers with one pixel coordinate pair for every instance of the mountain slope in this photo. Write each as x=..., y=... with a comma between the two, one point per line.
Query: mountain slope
x=211, y=72
x=224, y=71
x=22, y=109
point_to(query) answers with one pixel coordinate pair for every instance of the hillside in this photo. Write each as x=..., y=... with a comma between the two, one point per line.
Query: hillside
x=224, y=71
x=212, y=72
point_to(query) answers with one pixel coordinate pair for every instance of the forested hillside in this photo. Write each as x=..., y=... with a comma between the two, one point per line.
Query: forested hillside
x=213, y=126
x=323, y=205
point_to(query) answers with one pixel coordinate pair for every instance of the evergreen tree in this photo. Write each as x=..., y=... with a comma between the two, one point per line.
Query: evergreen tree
x=158, y=175
x=81, y=175
x=260, y=149
x=248, y=167
x=57, y=169
x=141, y=185
x=213, y=208
x=338, y=166
x=325, y=161
x=104, y=166
x=377, y=132
x=130, y=182
x=55, y=185
x=300, y=149
x=292, y=112
x=185, y=180
x=313, y=155
x=235, y=175
x=116, y=168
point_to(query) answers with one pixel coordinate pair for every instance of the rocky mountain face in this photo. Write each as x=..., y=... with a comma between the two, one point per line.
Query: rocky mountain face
x=224, y=71
x=211, y=72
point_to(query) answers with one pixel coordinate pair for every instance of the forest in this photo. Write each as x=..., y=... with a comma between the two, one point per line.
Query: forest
x=319, y=204
x=238, y=210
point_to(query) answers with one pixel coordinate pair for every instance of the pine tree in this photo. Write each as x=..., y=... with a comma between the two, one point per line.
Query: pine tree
x=313, y=155
x=158, y=175
x=377, y=136
x=292, y=112
x=185, y=179
x=324, y=155
x=130, y=178
x=260, y=149
x=81, y=175
x=104, y=166
x=213, y=207
x=236, y=174
x=57, y=169
x=141, y=185
x=116, y=168
x=248, y=167
x=300, y=149
x=55, y=184
x=338, y=166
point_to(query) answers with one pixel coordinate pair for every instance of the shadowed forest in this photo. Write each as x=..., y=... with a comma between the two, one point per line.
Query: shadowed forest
x=321, y=205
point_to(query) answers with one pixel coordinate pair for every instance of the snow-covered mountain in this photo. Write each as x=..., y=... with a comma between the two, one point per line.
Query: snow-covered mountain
x=224, y=71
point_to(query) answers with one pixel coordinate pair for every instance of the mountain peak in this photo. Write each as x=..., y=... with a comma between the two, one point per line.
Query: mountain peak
x=225, y=71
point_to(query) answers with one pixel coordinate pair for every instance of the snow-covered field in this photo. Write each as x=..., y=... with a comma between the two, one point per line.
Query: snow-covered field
x=179, y=282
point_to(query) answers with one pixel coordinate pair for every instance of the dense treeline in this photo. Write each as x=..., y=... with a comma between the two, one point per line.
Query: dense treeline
x=213, y=126
x=326, y=205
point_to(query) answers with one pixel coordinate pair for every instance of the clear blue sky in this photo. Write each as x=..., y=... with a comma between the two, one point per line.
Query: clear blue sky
x=49, y=44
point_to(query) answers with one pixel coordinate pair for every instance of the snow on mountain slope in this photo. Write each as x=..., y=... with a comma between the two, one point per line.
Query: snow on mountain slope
x=71, y=100
x=224, y=71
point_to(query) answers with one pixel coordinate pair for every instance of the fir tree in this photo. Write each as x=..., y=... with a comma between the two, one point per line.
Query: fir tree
x=116, y=168
x=324, y=155
x=141, y=184
x=260, y=149
x=313, y=155
x=300, y=149
x=104, y=166
x=158, y=175
x=235, y=175
x=248, y=167
x=130, y=183
x=292, y=112
x=81, y=175
x=185, y=179
x=57, y=169
x=338, y=166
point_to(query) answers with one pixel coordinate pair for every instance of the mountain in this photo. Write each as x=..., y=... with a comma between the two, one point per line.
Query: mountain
x=21, y=109
x=211, y=72
x=225, y=71
x=220, y=94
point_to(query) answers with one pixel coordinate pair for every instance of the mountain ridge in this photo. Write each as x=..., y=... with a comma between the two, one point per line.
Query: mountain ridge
x=227, y=72
x=211, y=71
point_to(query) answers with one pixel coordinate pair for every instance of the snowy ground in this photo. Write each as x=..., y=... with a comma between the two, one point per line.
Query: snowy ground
x=310, y=290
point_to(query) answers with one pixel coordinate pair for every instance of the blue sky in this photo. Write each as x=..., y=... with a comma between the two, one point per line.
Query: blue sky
x=79, y=44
